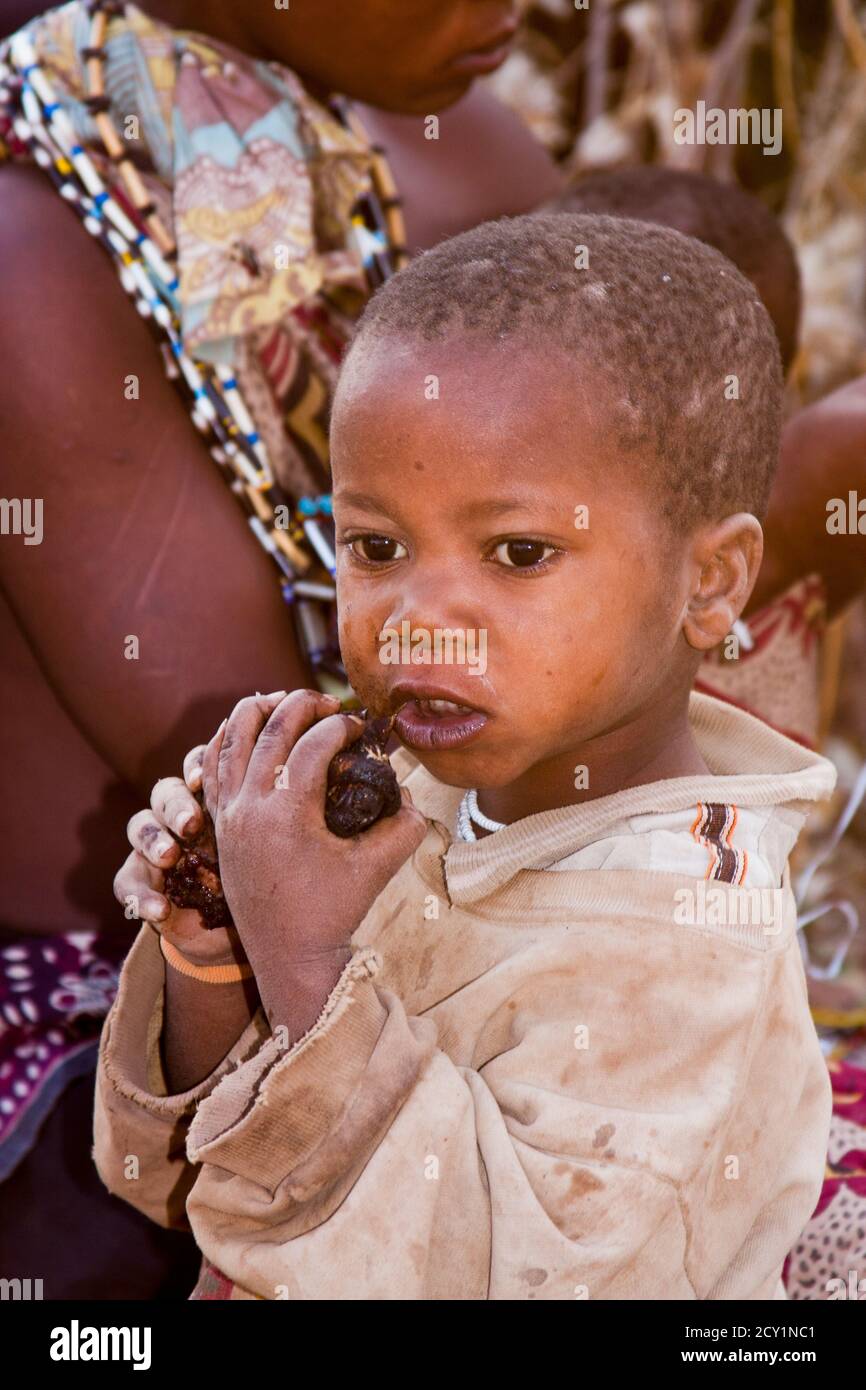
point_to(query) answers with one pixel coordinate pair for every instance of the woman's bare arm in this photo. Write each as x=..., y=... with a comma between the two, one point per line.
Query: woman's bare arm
x=141, y=536
x=823, y=457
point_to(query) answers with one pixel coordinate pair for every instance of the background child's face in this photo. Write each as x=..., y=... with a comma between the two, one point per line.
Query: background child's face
x=439, y=504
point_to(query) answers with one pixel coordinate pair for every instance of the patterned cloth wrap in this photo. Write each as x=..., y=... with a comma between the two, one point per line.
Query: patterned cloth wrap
x=54, y=994
x=258, y=182
x=239, y=158
x=778, y=676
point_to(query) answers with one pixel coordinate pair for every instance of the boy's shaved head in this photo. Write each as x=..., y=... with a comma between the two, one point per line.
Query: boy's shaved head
x=723, y=215
x=678, y=340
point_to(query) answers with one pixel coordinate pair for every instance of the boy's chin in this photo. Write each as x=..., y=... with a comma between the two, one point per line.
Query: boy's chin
x=459, y=768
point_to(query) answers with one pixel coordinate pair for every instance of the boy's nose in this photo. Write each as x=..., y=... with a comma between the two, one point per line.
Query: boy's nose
x=435, y=596
x=418, y=610
x=427, y=620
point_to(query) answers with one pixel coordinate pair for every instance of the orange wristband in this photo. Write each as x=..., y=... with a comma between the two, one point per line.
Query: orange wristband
x=206, y=974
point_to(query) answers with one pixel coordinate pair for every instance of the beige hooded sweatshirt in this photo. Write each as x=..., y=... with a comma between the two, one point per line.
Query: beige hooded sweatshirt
x=595, y=1082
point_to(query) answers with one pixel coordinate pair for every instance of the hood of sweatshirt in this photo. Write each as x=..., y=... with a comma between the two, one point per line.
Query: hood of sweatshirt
x=751, y=765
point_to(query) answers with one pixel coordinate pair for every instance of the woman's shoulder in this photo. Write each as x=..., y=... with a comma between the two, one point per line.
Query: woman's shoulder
x=51, y=270
x=479, y=162
x=831, y=422
x=63, y=305
x=32, y=211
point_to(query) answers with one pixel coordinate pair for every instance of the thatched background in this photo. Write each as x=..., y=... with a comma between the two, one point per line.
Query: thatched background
x=599, y=86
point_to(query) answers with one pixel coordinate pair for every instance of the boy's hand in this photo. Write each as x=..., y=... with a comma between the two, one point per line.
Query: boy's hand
x=158, y=837
x=296, y=892
x=139, y=885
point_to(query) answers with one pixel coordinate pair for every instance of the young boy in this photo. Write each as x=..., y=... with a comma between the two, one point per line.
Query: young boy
x=570, y=1057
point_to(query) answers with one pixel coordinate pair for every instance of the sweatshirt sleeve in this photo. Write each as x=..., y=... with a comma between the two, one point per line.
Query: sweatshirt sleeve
x=363, y=1163
x=140, y=1131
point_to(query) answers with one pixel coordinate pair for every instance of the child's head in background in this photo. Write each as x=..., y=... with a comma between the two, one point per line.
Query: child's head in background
x=723, y=215
x=558, y=431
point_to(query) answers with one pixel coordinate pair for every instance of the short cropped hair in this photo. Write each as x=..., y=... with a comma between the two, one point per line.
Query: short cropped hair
x=723, y=215
x=678, y=335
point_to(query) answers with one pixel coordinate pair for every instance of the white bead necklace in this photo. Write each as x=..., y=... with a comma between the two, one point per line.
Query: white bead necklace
x=468, y=812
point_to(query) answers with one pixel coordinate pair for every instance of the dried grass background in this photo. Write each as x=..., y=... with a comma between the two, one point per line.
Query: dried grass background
x=599, y=87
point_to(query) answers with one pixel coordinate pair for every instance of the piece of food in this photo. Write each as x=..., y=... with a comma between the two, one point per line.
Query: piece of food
x=362, y=784
x=362, y=788
x=195, y=882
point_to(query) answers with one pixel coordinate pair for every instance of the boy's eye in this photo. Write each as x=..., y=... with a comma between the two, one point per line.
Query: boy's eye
x=522, y=554
x=377, y=549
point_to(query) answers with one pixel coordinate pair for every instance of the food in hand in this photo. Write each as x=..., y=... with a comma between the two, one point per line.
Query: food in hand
x=194, y=880
x=362, y=784
x=362, y=788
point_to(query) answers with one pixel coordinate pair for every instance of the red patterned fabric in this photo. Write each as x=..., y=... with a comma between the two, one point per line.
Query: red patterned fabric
x=777, y=678
x=829, y=1260
x=212, y=1285
x=54, y=994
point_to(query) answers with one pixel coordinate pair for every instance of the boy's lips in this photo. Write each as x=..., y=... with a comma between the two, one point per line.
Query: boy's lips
x=487, y=56
x=484, y=61
x=431, y=717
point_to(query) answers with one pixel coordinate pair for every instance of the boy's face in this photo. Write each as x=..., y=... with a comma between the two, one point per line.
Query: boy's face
x=458, y=513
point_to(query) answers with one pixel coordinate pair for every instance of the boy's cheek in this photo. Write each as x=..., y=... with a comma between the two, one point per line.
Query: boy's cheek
x=370, y=679
x=367, y=676
x=358, y=634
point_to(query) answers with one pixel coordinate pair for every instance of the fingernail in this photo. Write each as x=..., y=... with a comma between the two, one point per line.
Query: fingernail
x=163, y=845
x=221, y=727
x=276, y=695
x=331, y=699
x=357, y=719
x=182, y=823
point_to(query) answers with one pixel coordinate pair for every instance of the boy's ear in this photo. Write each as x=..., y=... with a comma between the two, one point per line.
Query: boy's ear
x=726, y=559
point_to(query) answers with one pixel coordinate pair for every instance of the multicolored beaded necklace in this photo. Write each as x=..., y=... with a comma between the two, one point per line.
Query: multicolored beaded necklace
x=298, y=534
